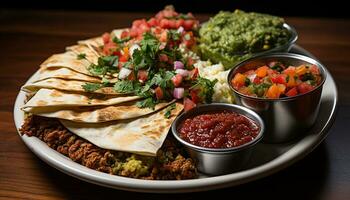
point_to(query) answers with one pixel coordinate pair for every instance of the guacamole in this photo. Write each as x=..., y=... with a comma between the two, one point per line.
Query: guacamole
x=230, y=37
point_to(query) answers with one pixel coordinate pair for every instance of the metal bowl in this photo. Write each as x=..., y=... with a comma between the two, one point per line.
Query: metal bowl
x=219, y=161
x=288, y=117
x=282, y=48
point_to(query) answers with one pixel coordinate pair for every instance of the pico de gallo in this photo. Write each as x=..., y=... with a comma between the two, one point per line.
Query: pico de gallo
x=276, y=80
x=149, y=63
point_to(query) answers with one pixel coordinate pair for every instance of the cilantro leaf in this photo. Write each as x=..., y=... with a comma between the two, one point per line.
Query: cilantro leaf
x=121, y=40
x=168, y=110
x=147, y=103
x=91, y=87
x=126, y=86
x=104, y=64
x=205, y=87
x=81, y=56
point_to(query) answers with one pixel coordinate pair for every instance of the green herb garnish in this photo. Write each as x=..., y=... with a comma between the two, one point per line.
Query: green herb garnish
x=91, y=87
x=205, y=87
x=168, y=110
x=81, y=56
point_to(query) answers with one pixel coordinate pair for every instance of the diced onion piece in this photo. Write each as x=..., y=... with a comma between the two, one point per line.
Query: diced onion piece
x=182, y=72
x=180, y=29
x=178, y=93
x=124, y=72
x=133, y=48
x=178, y=65
x=251, y=77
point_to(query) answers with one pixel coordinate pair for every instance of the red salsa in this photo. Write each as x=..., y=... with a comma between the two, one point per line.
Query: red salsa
x=224, y=129
x=277, y=80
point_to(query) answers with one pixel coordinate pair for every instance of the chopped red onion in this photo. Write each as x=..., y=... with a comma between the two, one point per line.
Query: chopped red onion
x=178, y=93
x=182, y=72
x=124, y=72
x=178, y=65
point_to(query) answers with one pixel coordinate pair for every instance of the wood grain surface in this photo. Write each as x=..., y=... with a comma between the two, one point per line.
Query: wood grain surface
x=29, y=37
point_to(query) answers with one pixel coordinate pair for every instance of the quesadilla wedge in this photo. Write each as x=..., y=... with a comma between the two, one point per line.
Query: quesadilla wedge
x=65, y=73
x=143, y=136
x=95, y=114
x=66, y=85
x=56, y=98
x=67, y=60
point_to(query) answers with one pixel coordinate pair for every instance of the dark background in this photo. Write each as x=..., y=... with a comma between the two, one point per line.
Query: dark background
x=304, y=8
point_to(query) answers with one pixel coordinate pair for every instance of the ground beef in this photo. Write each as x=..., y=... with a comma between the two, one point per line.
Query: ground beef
x=170, y=162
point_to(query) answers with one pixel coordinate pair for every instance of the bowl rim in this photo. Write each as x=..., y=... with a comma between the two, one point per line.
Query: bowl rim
x=224, y=106
x=278, y=55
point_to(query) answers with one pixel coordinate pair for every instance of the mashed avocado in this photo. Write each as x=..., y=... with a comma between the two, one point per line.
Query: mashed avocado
x=232, y=37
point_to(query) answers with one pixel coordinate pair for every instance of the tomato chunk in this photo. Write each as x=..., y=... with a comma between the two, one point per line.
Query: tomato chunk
x=188, y=104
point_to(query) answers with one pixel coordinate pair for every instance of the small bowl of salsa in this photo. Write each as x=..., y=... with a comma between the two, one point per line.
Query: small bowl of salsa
x=219, y=137
x=284, y=89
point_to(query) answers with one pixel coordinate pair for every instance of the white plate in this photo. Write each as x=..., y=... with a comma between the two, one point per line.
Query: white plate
x=268, y=159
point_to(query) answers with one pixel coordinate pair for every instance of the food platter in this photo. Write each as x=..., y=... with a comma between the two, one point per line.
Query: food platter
x=268, y=159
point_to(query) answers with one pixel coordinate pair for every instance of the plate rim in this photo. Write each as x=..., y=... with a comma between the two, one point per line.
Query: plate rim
x=67, y=166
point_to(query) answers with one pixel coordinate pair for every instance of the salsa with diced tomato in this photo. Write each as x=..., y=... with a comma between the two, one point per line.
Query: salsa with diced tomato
x=277, y=80
x=223, y=129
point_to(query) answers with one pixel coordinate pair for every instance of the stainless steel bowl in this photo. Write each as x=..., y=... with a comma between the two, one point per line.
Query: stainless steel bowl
x=219, y=161
x=285, y=118
x=282, y=48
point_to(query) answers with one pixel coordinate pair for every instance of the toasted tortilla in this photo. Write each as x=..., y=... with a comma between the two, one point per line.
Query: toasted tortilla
x=95, y=114
x=67, y=60
x=56, y=98
x=65, y=73
x=66, y=85
x=90, y=54
x=143, y=136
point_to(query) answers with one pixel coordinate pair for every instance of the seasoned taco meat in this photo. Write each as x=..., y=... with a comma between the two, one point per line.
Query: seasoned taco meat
x=170, y=162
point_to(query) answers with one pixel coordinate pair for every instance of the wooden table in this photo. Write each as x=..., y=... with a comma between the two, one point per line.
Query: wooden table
x=29, y=37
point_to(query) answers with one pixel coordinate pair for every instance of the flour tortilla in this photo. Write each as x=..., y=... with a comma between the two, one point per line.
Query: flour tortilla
x=90, y=55
x=95, y=114
x=56, y=98
x=143, y=136
x=66, y=85
x=67, y=60
x=65, y=73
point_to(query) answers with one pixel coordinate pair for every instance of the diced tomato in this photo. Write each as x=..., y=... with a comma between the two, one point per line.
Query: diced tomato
x=106, y=37
x=172, y=24
x=138, y=22
x=163, y=58
x=152, y=22
x=164, y=23
x=163, y=36
x=239, y=80
x=304, y=88
x=280, y=78
x=188, y=104
x=194, y=96
x=292, y=92
x=314, y=69
x=188, y=24
x=194, y=73
x=142, y=75
x=123, y=58
x=109, y=48
x=177, y=79
x=179, y=22
x=159, y=93
x=133, y=33
x=289, y=70
x=262, y=71
x=257, y=80
x=131, y=76
x=273, y=92
x=271, y=72
x=124, y=34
